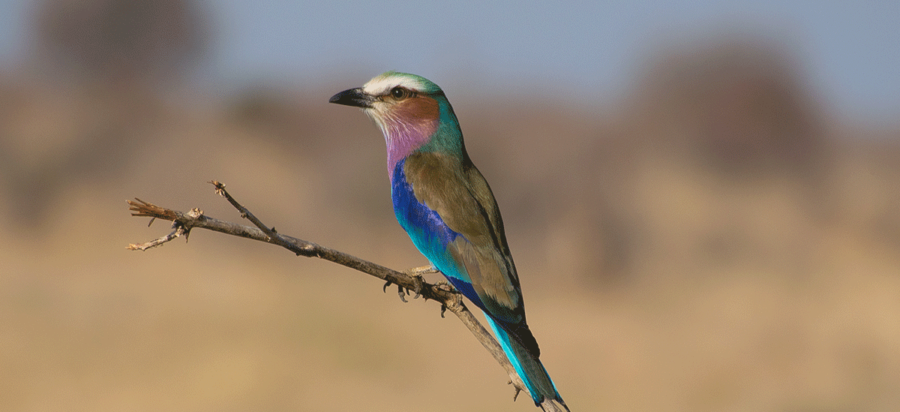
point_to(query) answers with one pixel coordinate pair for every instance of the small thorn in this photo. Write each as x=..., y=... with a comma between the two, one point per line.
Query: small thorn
x=151, y=221
x=443, y=309
x=386, y=284
x=518, y=390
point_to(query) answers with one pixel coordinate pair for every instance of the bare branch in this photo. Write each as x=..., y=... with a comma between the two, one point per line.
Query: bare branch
x=158, y=242
x=411, y=279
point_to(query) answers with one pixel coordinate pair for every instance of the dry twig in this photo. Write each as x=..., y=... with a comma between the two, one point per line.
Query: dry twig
x=183, y=223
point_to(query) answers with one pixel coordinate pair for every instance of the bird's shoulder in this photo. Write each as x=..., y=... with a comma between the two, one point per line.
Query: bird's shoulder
x=459, y=194
x=456, y=191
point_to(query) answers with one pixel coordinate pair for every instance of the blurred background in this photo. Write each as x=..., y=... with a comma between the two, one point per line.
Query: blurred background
x=703, y=200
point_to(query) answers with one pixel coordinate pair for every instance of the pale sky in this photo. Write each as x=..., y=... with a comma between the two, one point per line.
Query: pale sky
x=848, y=51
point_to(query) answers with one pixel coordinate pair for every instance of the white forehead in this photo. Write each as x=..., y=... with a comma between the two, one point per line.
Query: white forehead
x=382, y=84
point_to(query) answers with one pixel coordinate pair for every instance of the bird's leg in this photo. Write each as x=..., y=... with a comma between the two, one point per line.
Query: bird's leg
x=421, y=270
x=416, y=274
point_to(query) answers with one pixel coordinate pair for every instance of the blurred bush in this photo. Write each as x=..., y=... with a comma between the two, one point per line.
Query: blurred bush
x=119, y=40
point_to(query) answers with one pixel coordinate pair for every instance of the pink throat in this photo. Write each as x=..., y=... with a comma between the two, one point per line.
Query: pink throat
x=403, y=139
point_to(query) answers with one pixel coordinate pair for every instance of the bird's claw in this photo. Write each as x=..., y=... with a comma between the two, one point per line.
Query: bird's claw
x=402, y=292
x=444, y=285
x=420, y=281
x=419, y=284
x=416, y=274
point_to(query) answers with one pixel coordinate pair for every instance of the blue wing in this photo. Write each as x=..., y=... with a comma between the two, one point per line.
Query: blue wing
x=443, y=216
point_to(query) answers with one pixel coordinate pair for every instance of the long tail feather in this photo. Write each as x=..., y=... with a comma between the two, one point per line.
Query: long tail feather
x=530, y=369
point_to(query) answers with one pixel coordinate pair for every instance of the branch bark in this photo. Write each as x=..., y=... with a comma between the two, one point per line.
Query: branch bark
x=407, y=281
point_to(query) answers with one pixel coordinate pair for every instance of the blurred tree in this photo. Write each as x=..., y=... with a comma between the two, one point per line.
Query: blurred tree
x=119, y=40
x=117, y=54
x=738, y=104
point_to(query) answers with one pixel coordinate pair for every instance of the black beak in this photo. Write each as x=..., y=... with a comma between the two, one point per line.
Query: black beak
x=353, y=97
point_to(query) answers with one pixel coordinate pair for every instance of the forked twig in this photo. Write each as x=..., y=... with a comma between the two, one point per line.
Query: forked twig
x=183, y=223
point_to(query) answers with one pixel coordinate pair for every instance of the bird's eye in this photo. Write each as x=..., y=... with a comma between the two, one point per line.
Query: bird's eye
x=399, y=92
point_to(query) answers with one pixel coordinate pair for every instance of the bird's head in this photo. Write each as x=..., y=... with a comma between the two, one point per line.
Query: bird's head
x=412, y=112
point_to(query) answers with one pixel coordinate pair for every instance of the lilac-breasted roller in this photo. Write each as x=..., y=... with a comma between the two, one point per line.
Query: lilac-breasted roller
x=447, y=208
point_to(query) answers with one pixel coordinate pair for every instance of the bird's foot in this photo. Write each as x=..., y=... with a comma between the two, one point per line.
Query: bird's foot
x=400, y=290
x=420, y=281
x=416, y=274
x=443, y=284
x=446, y=286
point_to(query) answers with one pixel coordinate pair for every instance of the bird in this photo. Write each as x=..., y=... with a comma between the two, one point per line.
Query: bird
x=448, y=210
